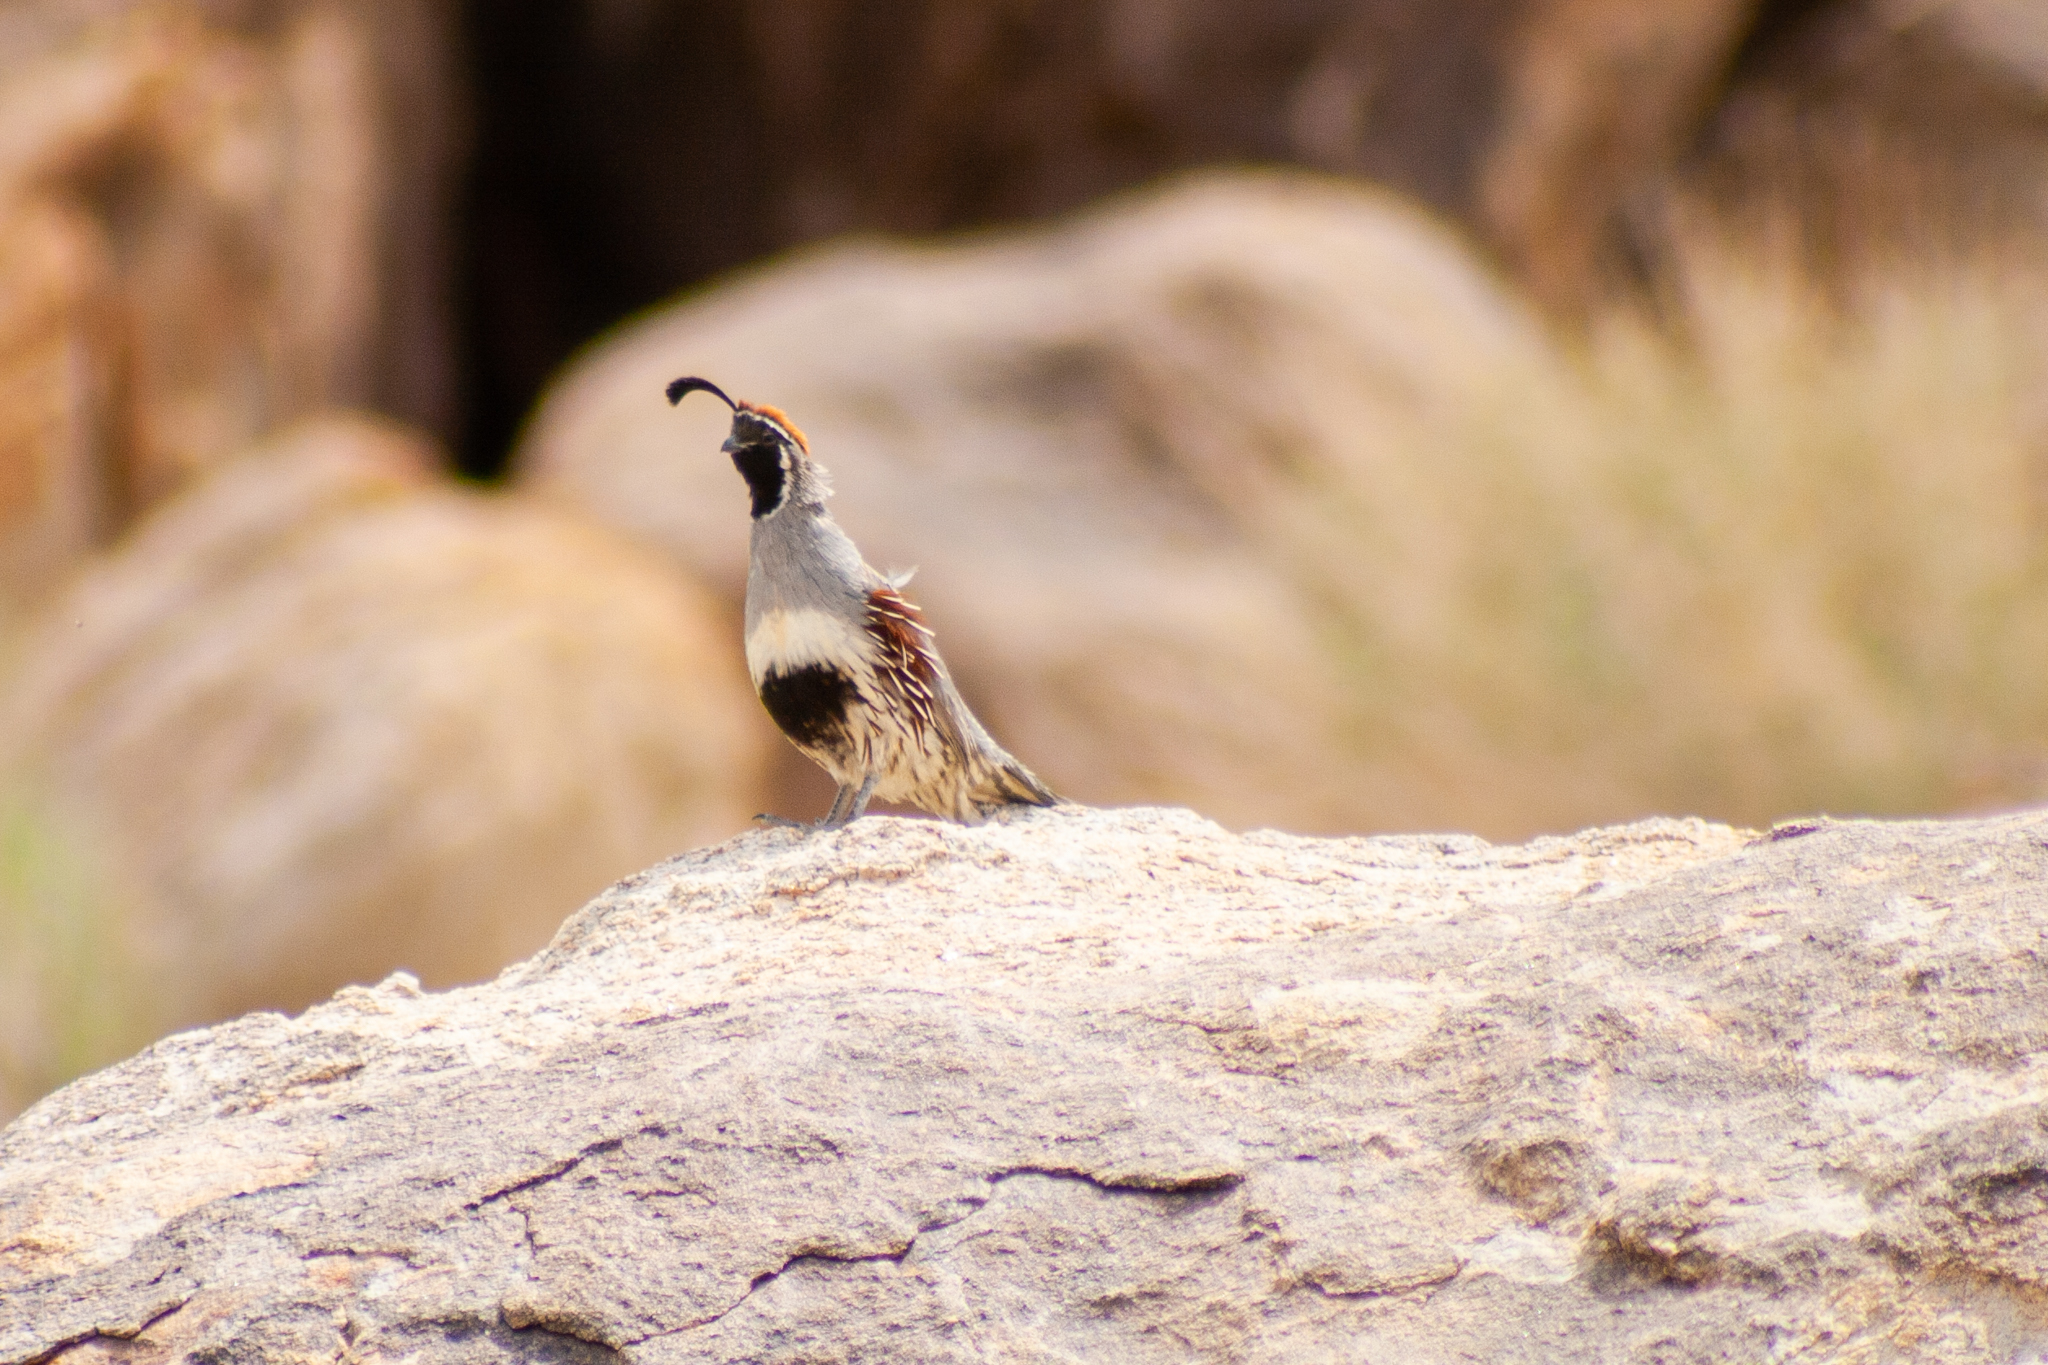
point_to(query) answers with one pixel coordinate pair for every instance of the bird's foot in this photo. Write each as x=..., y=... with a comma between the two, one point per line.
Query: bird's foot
x=847, y=806
x=784, y=822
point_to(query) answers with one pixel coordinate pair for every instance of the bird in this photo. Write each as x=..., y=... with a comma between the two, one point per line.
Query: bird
x=842, y=661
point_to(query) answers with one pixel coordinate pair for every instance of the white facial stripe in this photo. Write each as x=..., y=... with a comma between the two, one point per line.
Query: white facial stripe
x=787, y=640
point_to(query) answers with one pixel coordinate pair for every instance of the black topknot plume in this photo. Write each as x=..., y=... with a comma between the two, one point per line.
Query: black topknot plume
x=691, y=384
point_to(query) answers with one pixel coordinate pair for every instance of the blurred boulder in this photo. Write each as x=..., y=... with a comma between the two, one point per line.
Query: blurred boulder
x=1598, y=102
x=1161, y=469
x=1872, y=133
x=214, y=217
x=56, y=380
x=322, y=716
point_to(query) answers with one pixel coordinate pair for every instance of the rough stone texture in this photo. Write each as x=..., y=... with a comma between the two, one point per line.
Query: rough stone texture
x=324, y=715
x=1115, y=1085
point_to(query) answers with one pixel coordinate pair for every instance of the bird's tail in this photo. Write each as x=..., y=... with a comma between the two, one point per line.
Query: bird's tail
x=1010, y=783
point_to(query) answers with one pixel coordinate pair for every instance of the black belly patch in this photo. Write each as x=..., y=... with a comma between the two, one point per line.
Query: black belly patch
x=809, y=704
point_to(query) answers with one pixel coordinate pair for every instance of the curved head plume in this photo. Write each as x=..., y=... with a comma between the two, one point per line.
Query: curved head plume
x=754, y=419
x=767, y=449
x=692, y=384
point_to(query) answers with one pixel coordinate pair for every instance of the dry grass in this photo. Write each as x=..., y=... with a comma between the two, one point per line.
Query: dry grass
x=1768, y=551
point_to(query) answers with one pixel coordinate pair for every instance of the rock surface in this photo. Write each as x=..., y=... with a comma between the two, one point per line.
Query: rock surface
x=1114, y=1085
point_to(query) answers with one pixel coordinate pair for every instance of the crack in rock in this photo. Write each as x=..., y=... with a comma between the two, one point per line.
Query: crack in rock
x=1144, y=1187
x=568, y=1164
x=122, y=1332
x=1140, y=1183
x=894, y=1255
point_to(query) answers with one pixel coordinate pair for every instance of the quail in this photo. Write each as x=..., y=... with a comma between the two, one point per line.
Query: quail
x=840, y=658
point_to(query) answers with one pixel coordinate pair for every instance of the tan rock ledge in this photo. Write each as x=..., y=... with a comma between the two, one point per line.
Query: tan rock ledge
x=1115, y=1085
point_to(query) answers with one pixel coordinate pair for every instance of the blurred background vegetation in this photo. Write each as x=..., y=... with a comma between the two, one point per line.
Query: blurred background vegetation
x=1345, y=415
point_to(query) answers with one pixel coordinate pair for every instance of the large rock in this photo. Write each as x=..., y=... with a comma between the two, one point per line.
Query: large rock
x=323, y=716
x=1114, y=1085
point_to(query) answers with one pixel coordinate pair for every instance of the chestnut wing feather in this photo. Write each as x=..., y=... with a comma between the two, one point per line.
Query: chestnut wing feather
x=908, y=666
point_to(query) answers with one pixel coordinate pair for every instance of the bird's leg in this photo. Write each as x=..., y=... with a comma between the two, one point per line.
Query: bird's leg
x=858, y=805
x=834, y=818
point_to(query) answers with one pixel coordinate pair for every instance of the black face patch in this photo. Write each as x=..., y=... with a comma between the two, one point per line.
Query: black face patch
x=809, y=704
x=761, y=467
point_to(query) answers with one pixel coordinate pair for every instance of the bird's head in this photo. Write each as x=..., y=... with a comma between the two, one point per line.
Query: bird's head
x=768, y=450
